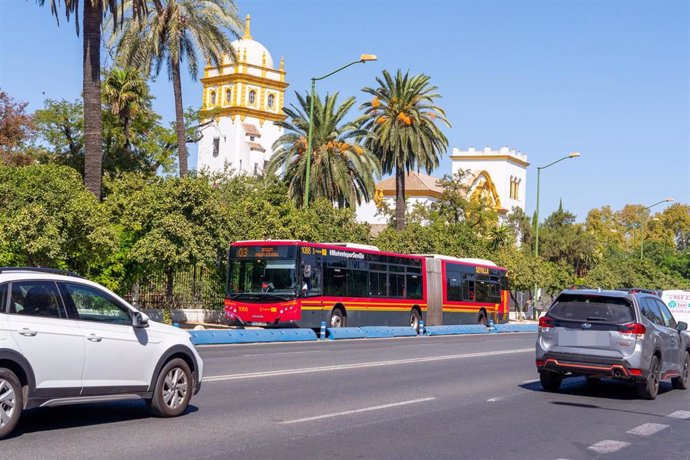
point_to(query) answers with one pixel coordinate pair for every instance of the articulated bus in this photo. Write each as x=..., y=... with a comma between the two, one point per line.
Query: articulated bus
x=286, y=282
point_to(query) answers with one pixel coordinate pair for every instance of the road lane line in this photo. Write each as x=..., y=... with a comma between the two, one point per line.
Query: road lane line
x=357, y=411
x=647, y=429
x=608, y=447
x=308, y=370
x=681, y=414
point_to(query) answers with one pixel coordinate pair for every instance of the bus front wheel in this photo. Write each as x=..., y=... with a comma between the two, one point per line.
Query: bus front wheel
x=338, y=318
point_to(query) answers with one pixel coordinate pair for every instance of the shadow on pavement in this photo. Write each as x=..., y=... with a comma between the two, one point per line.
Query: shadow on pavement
x=605, y=389
x=81, y=415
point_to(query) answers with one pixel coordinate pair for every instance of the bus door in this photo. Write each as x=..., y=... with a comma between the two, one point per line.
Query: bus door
x=311, y=282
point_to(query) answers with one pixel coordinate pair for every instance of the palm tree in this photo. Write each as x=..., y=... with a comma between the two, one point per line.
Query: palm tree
x=125, y=93
x=403, y=133
x=342, y=170
x=174, y=32
x=93, y=14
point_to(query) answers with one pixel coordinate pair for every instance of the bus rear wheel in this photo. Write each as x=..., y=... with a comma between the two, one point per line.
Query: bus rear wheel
x=482, y=319
x=414, y=320
x=338, y=318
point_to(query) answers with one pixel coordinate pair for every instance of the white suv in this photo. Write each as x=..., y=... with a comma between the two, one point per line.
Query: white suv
x=66, y=340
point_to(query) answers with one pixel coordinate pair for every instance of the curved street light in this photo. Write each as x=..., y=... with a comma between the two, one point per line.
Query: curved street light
x=362, y=59
x=665, y=200
x=536, y=224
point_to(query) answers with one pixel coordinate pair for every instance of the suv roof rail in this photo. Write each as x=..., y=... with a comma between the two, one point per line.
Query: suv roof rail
x=55, y=271
x=636, y=290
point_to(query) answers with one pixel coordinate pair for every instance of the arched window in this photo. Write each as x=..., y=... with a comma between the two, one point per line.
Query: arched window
x=228, y=95
x=213, y=98
x=271, y=99
x=252, y=96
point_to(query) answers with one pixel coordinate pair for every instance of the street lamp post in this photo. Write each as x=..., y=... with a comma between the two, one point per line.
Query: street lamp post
x=666, y=200
x=362, y=59
x=536, y=224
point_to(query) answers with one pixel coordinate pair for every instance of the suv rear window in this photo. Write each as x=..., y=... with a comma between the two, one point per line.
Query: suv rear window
x=592, y=308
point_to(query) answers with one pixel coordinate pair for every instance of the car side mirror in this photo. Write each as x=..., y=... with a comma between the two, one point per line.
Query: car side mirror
x=140, y=320
x=682, y=326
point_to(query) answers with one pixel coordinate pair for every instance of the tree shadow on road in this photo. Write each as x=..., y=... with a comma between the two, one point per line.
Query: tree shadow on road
x=81, y=415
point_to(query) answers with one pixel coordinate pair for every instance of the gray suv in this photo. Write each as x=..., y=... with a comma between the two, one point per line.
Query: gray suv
x=626, y=335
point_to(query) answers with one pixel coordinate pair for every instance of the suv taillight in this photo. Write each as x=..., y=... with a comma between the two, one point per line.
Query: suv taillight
x=546, y=321
x=634, y=329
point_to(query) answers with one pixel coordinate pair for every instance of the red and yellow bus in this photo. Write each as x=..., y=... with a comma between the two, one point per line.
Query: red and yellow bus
x=290, y=282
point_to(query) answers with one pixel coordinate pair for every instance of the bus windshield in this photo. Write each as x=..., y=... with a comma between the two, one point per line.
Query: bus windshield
x=274, y=275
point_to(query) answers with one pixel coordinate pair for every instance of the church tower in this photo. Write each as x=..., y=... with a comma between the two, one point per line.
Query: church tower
x=241, y=102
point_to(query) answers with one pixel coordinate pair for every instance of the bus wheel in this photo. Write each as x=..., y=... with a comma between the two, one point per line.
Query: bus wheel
x=482, y=319
x=338, y=318
x=414, y=320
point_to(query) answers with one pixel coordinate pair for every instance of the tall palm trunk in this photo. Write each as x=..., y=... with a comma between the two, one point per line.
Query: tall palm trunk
x=179, y=119
x=399, y=197
x=93, y=125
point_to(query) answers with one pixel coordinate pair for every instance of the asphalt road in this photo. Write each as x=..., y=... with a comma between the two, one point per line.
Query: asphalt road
x=432, y=397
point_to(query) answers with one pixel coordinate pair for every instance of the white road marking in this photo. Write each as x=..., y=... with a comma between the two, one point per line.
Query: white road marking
x=682, y=414
x=527, y=382
x=357, y=411
x=495, y=399
x=647, y=429
x=607, y=446
x=308, y=370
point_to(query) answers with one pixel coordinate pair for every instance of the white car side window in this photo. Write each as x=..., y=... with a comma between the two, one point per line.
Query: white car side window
x=93, y=305
x=36, y=298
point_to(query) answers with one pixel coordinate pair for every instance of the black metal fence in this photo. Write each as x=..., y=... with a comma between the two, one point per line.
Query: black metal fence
x=195, y=287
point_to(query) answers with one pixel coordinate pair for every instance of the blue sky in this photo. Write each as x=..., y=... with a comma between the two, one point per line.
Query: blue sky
x=607, y=78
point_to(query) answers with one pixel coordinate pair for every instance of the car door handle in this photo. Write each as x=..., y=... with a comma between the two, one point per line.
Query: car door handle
x=28, y=332
x=94, y=338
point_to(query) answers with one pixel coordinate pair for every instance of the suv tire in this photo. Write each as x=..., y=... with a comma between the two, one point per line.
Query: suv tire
x=681, y=382
x=11, y=401
x=650, y=388
x=174, y=388
x=550, y=381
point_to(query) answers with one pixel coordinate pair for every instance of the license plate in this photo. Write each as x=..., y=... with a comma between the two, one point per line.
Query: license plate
x=584, y=338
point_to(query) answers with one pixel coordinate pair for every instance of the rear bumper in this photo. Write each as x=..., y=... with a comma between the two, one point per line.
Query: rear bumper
x=589, y=366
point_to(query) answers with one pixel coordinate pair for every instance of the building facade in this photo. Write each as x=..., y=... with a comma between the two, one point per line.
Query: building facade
x=499, y=177
x=241, y=102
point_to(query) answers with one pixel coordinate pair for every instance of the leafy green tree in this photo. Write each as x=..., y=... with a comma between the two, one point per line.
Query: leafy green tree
x=92, y=19
x=168, y=224
x=402, y=120
x=520, y=227
x=342, y=171
x=48, y=218
x=60, y=132
x=175, y=31
x=60, y=136
x=563, y=241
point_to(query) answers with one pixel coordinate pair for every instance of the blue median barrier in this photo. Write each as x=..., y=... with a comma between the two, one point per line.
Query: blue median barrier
x=345, y=333
x=516, y=327
x=216, y=337
x=376, y=332
x=456, y=329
